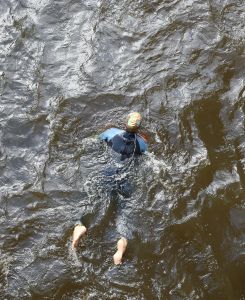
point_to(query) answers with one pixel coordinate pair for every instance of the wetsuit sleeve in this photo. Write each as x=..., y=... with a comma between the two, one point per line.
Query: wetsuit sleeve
x=109, y=134
x=143, y=145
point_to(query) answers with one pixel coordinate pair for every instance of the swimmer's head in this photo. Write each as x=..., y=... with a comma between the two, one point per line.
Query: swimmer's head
x=133, y=121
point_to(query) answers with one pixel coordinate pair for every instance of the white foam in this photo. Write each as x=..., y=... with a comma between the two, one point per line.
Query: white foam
x=155, y=164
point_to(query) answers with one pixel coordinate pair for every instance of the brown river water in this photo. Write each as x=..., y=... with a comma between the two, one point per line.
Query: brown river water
x=68, y=68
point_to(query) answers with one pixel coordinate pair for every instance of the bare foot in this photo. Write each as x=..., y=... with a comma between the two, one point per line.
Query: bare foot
x=117, y=258
x=78, y=232
x=121, y=248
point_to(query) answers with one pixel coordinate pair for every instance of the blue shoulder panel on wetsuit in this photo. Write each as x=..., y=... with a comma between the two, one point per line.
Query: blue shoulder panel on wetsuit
x=142, y=143
x=109, y=134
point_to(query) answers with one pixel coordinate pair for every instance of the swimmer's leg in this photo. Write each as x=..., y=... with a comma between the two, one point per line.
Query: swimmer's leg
x=90, y=218
x=78, y=232
x=121, y=248
x=125, y=188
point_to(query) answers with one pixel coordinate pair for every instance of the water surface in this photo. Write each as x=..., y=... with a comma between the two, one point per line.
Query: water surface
x=67, y=69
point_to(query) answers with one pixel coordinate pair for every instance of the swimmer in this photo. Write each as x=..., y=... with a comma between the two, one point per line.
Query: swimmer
x=128, y=143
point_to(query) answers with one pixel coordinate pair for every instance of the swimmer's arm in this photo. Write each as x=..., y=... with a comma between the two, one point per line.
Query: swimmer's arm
x=144, y=136
x=143, y=145
x=109, y=134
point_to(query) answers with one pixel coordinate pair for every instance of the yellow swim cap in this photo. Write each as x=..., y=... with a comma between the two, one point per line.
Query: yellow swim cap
x=133, y=121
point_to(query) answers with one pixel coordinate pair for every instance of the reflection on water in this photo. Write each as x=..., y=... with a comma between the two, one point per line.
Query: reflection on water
x=70, y=68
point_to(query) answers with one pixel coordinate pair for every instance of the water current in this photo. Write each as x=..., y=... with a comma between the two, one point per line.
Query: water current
x=68, y=68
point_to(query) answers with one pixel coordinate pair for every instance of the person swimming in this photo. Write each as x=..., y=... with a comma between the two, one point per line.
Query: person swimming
x=127, y=144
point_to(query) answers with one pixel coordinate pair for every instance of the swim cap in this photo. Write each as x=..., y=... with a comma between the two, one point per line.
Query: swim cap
x=133, y=121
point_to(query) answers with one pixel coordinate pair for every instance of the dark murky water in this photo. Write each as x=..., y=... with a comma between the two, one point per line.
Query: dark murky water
x=70, y=67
